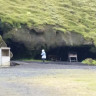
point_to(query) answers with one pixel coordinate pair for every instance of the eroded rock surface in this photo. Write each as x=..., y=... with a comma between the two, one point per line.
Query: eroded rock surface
x=36, y=38
x=2, y=43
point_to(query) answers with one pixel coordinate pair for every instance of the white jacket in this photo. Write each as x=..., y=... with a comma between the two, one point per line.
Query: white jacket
x=43, y=54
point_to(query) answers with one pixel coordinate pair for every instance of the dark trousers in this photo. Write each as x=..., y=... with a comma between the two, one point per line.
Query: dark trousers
x=43, y=60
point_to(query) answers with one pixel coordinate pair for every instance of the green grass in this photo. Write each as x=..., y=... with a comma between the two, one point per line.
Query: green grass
x=30, y=60
x=34, y=60
x=65, y=15
x=89, y=61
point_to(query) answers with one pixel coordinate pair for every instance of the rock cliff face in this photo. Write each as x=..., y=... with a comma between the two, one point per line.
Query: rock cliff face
x=26, y=43
x=30, y=25
x=35, y=39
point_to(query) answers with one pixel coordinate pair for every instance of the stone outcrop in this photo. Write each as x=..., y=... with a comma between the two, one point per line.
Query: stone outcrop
x=44, y=38
x=27, y=42
x=2, y=43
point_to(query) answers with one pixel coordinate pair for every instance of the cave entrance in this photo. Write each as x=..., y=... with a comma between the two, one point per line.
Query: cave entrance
x=20, y=51
x=1, y=32
x=61, y=53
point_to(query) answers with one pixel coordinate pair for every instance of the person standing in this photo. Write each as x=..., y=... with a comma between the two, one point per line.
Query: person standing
x=43, y=54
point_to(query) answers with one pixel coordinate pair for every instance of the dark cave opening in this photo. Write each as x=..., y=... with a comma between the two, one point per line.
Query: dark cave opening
x=1, y=32
x=61, y=53
x=21, y=52
x=18, y=49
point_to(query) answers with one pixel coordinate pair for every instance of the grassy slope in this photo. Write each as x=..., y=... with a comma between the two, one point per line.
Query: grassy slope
x=67, y=15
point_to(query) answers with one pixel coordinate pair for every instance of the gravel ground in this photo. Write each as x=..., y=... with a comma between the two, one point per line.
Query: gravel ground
x=10, y=78
x=53, y=65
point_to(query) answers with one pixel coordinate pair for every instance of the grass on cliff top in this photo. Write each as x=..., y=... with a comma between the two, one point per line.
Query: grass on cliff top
x=66, y=15
x=33, y=60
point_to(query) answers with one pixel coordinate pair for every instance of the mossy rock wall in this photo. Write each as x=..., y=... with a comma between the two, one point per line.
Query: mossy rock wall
x=36, y=38
x=2, y=43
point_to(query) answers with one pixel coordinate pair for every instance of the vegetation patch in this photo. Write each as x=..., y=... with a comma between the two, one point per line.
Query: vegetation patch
x=89, y=61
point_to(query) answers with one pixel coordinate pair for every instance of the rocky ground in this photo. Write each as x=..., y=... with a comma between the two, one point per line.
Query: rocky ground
x=47, y=79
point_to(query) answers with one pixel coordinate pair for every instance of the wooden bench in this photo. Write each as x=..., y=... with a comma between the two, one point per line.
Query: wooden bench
x=73, y=57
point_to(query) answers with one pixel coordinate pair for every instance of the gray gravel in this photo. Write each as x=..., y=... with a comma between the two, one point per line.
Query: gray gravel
x=53, y=65
x=10, y=77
